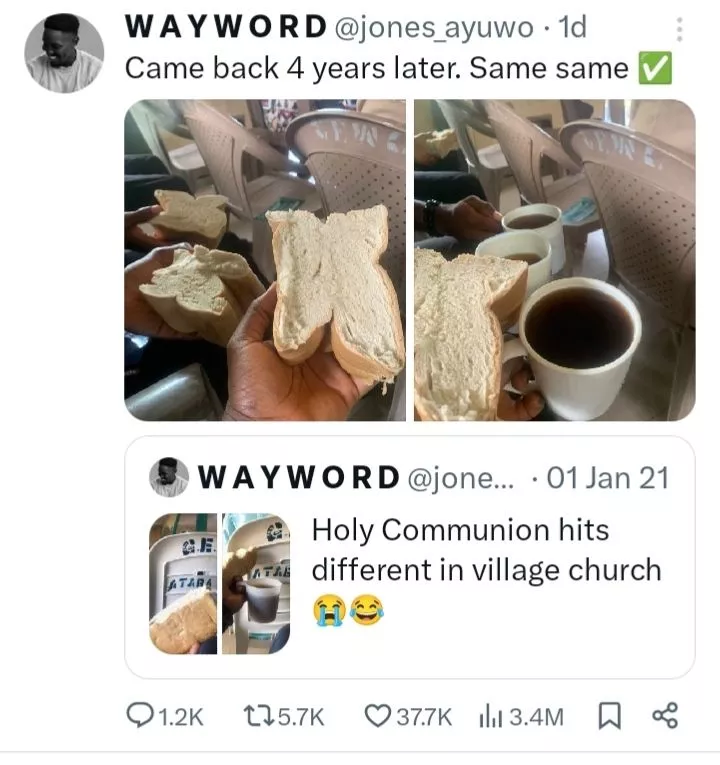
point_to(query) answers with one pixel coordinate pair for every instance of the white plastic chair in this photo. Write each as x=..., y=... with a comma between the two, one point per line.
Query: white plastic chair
x=226, y=147
x=488, y=164
x=192, y=556
x=645, y=192
x=184, y=161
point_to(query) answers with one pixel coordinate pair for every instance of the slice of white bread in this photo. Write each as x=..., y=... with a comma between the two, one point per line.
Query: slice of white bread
x=437, y=143
x=328, y=273
x=203, y=219
x=204, y=292
x=189, y=620
x=459, y=305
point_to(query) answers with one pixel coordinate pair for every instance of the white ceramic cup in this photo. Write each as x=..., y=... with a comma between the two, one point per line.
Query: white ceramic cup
x=520, y=243
x=553, y=232
x=263, y=597
x=577, y=394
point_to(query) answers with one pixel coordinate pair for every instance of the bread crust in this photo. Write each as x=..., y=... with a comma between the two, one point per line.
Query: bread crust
x=352, y=361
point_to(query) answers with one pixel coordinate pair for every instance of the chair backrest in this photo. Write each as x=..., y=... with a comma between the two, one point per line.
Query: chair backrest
x=524, y=145
x=460, y=116
x=226, y=146
x=180, y=563
x=645, y=192
x=357, y=161
x=573, y=110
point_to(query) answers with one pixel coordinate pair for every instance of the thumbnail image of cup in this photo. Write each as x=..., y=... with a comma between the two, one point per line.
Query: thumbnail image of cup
x=266, y=272
x=366, y=610
x=329, y=611
x=64, y=53
x=571, y=265
x=183, y=584
x=255, y=584
x=169, y=477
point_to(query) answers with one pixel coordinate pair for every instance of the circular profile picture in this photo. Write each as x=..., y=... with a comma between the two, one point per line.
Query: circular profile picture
x=169, y=477
x=64, y=53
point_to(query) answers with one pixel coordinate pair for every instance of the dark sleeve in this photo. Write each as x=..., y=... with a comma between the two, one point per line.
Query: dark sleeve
x=227, y=618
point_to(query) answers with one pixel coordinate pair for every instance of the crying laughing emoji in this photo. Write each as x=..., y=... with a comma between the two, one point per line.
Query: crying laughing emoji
x=367, y=610
x=329, y=611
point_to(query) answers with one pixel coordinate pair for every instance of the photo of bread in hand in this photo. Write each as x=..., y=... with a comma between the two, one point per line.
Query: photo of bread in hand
x=329, y=276
x=204, y=293
x=202, y=220
x=189, y=620
x=459, y=309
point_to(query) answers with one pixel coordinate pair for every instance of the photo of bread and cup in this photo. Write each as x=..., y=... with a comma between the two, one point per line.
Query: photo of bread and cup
x=509, y=329
x=327, y=326
x=254, y=593
x=256, y=584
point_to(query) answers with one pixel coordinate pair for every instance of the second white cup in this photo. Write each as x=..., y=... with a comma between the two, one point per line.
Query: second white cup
x=542, y=219
x=522, y=245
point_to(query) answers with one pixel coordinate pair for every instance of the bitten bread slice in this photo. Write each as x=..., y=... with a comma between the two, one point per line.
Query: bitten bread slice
x=204, y=292
x=189, y=620
x=458, y=334
x=328, y=273
x=201, y=219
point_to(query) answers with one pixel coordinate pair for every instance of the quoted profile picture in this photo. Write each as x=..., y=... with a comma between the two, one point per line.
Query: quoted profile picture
x=64, y=53
x=169, y=477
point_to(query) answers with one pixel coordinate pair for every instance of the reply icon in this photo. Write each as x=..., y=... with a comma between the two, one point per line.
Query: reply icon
x=609, y=713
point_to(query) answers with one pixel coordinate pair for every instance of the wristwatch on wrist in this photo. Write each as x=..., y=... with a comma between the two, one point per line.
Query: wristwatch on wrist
x=429, y=217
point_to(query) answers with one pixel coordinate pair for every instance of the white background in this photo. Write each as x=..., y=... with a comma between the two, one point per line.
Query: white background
x=65, y=681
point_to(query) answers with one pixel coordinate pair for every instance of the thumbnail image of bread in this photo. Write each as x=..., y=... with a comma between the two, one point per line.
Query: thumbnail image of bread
x=329, y=280
x=189, y=620
x=461, y=307
x=435, y=144
x=204, y=292
x=237, y=565
x=203, y=219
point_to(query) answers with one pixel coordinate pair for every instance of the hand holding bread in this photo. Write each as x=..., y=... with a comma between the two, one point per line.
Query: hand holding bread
x=263, y=386
x=236, y=567
x=140, y=317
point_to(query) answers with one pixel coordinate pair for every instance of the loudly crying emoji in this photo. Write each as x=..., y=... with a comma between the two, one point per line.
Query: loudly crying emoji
x=329, y=611
x=367, y=610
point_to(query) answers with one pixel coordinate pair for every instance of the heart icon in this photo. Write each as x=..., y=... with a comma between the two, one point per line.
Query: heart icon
x=378, y=714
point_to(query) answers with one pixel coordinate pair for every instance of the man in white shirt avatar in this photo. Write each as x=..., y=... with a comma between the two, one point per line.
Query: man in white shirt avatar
x=62, y=68
x=168, y=483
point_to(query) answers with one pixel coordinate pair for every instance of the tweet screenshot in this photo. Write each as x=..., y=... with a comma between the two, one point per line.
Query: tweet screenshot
x=409, y=457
